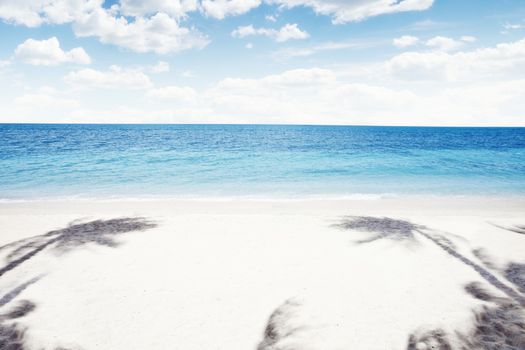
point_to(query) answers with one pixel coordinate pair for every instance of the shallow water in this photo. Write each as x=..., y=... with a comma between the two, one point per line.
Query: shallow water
x=247, y=160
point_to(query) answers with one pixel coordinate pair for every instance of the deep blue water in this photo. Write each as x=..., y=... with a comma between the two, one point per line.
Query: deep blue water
x=247, y=160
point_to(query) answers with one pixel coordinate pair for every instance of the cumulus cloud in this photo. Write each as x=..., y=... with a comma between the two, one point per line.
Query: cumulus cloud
x=484, y=86
x=33, y=13
x=319, y=96
x=174, y=93
x=513, y=26
x=271, y=18
x=159, y=33
x=161, y=67
x=503, y=60
x=48, y=53
x=444, y=43
x=114, y=78
x=45, y=98
x=221, y=8
x=343, y=11
x=175, y=8
x=405, y=41
x=142, y=26
x=291, y=52
x=303, y=95
x=156, y=25
x=287, y=32
x=468, y=38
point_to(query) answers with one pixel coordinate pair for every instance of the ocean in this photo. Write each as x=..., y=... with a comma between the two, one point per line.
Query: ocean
x=44, y=161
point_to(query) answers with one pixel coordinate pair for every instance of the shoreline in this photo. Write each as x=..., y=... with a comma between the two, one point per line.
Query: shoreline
x=514, y=204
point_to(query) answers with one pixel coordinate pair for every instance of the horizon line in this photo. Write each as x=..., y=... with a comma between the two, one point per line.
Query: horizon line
x=269, y=124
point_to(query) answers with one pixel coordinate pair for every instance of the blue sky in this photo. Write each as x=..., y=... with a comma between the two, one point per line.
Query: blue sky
x=373, y=62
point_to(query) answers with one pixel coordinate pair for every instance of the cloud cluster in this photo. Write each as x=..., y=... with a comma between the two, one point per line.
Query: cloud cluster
x=174, y=94
x=142, y=26
x=440, y=43
x=33, y=13
x=157, y=25
x=405, y=41
x=159, y=33
x=220, y=9
x=411, y=88
x=48, y=53
x=343, y=11
x=115, y=77
x=505, y=60
x=287, y=32
x=46, y=99
x=161, y=67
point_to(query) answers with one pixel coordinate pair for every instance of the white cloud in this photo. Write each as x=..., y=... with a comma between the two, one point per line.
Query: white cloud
x=155, y=25
x=287, y=32
x=468, y=38
x=303, y=95
x=48, y=53
x=513, y=26
x=161, y=67
x=159, y=33
x=33, y=13
x=174, y=93
x=249, y=46
x=244, y=31
x=222, y=8
x=405, y=41
x=315, y=95
x=188, y=74
x=322, y=96
x=444, y=43
x=271, y=18
x=291, y=52
x=175, y=8
x=343, y=11
x=141, y=26
x=114, y=78
x=505, y=60
x=45, y=98
x=290, y=31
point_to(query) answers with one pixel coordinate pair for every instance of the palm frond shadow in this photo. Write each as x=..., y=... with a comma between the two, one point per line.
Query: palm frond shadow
x=516, y=228
x=280, y=327
x=12, y=334
x=101, y=232
x=12, y=294
x=77, y=234
x=497, y=326
x=501, y=326
x=403, y=230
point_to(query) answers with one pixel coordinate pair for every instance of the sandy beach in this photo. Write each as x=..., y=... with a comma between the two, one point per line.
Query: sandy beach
x=399, y=273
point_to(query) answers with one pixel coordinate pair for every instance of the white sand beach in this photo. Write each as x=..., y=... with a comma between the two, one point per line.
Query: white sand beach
x=240, y=274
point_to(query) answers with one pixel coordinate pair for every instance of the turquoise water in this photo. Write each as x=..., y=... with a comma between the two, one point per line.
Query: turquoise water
x=55, y=161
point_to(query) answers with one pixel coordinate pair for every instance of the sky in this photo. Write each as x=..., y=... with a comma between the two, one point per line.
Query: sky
x=348, y=62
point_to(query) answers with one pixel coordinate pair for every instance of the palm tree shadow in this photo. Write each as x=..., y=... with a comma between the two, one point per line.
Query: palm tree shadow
x=516, y=228
x=13, y=293
x=501, y=326
x=403, y=230
x=12, y=334
x=382, y=228
x=100, y=232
